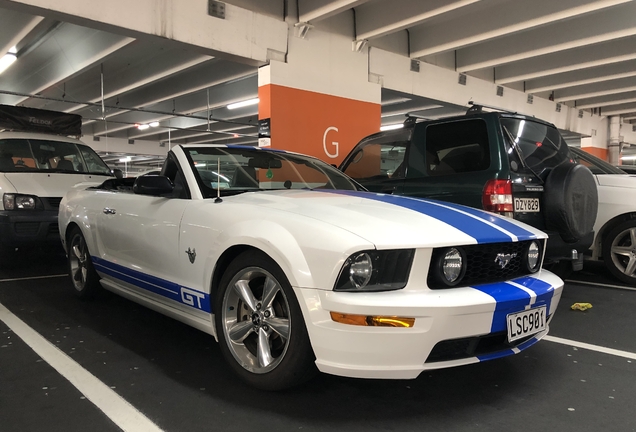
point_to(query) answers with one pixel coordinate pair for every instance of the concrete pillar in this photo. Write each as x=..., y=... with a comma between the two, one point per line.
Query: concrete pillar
x=319, y=101
x=614, y=140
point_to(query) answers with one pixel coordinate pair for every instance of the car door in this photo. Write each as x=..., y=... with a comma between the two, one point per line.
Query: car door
x=139, y=236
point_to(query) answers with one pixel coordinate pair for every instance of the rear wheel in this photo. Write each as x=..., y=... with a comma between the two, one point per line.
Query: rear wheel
x=619, y=251
x=260, y=326
x=80, y=267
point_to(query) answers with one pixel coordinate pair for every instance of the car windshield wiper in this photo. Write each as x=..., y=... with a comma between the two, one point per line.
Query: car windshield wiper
x=520, y=154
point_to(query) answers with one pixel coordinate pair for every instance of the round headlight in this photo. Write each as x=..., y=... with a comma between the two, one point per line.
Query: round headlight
x=361, y=270
x=452, y=265
x=533, y=256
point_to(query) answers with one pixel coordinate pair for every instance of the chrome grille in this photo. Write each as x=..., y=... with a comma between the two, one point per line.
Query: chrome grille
x=482, y=266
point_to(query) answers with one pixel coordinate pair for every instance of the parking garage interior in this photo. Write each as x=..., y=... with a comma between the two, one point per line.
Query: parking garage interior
x=148, y=76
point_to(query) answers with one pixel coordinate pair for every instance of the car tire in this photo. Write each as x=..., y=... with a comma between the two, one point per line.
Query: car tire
x=619, y=251
x=571, y=201
x=84, y=278
x=260, y=326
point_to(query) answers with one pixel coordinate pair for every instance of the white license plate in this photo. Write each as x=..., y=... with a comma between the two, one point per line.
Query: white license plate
x=526, y=323
x=526, y=205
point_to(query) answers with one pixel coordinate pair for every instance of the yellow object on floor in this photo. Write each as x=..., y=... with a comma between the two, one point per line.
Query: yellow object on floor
x=581, y=306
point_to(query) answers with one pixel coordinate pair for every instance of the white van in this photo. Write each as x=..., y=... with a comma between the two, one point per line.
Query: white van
x=36, y=171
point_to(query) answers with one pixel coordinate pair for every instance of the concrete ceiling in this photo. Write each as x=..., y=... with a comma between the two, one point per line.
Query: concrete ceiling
x=578, y=52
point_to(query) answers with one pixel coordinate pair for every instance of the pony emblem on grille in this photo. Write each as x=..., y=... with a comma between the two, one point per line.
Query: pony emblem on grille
x=504, y=259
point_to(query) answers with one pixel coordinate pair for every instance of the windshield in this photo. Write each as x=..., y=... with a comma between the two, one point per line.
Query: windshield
x=596, y=165
x=536, y=146
x=238, y=169
x=36, y=155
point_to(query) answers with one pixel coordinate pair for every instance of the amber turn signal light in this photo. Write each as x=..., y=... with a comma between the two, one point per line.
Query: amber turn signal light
x=372, y=321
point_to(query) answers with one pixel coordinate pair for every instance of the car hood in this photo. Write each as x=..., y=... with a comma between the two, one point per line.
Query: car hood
x=50, y=184
x=394, y=221
x=617, y=180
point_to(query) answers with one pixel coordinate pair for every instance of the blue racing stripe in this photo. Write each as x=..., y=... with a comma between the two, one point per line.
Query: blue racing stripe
x=544, y=291
x=180, y=294
x=501, y=222
x=508, y=299
x=242, y=147
x=508, y=352
x=511, y=299
x=476, y=227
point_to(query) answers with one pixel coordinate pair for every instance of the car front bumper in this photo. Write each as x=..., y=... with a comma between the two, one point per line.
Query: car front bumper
x=28, y=228
x=452, y=326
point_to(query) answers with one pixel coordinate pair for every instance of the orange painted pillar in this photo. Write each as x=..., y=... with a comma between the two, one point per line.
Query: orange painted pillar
x=320, y=101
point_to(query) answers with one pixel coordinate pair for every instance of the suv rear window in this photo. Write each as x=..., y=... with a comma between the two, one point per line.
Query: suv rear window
x=539, y=145
x=457, y=147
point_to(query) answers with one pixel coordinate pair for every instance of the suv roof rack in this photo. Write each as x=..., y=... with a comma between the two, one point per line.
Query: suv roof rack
x=412, y=118
x=477, y=108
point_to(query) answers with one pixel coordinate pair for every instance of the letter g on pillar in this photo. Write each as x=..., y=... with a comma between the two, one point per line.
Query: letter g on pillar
x=333, y=143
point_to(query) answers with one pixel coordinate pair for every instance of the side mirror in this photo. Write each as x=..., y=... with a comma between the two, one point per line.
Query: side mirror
x=152, y=185
x=118, y=173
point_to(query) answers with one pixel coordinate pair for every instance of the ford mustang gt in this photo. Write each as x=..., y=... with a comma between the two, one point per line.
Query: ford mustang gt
x=294, y=268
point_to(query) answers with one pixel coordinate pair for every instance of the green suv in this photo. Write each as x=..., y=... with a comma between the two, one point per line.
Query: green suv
x=506, y=163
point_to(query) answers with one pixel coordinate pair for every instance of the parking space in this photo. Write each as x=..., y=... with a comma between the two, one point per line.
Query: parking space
x=174, y=376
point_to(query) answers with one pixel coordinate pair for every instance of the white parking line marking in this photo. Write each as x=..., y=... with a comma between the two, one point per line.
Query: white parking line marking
x=33, y=278
x=123, y=414
x=600, y=284
x=591, y=347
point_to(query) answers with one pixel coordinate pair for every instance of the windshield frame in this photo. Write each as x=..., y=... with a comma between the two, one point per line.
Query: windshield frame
x=236, y=156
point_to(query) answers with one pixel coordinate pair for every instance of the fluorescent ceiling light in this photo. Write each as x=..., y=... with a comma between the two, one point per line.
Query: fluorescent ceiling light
x=243, y=103
x=154, y=124
x=8, y=59
x=392, y=127
x=629, y=157
x=126, y=159
x=142, y=126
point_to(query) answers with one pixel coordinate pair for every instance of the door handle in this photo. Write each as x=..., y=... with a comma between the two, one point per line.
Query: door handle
x=109, y=210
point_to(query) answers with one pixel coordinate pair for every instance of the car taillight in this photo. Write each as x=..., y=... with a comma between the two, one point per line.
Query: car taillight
x=497, y=196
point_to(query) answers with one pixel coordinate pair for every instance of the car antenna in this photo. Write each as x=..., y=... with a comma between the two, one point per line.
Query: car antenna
x=218, y=183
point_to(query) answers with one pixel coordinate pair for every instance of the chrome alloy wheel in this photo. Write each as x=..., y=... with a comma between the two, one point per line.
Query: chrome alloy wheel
x=623, y=251
x=256, y=320
x=78, y=262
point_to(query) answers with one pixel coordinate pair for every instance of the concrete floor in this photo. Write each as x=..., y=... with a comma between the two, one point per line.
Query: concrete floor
x=175, y=376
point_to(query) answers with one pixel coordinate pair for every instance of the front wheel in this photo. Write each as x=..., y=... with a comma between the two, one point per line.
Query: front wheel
x=80, y=267
x=619, y=251
x=260, y=326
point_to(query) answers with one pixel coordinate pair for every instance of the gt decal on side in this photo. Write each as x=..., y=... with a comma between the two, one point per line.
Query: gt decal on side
x=188, y=297
x=153, y=284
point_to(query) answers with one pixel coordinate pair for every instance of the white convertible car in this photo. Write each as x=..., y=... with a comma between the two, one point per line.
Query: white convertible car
x=291, y=266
